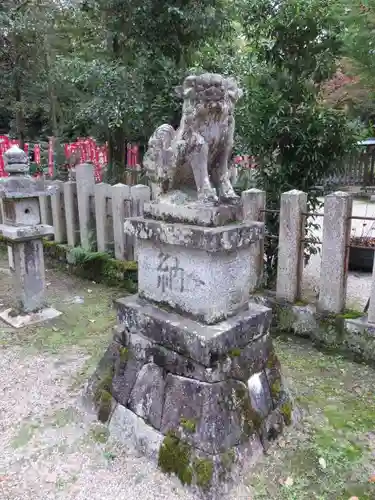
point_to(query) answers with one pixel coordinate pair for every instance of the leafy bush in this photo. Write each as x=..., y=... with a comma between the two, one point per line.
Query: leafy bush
x=281, y=120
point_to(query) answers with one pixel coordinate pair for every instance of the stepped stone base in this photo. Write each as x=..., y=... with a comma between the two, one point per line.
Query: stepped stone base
x=201, y=400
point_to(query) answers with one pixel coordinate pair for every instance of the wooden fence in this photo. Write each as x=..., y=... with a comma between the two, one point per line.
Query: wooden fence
x=92, y=215
x=359, y=170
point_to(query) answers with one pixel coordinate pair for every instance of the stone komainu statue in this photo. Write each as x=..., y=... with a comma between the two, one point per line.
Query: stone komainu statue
x=196, y=155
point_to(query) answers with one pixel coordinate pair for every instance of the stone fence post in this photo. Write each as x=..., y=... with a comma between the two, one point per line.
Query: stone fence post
x=335, y=252
x=371, y=309
x=293, y=205
x=254, y=204
x=85, y=189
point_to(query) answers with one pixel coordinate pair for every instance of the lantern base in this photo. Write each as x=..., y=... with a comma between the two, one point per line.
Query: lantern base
x=24, y=320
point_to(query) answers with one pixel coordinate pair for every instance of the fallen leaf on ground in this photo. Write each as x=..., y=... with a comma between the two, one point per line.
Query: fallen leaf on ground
x=322, y=463
x=372, y=478
x=289, y=481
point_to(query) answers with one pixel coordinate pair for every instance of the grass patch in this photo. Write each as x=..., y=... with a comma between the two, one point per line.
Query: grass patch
x=24, y=435
x=337, y=397
x=85, y=324
x=99, y=434
x=65, y=416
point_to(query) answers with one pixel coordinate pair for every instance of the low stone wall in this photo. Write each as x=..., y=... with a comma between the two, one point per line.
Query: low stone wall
x=348, y=334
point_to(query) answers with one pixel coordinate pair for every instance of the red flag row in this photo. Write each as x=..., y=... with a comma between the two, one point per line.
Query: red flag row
x=83, y=150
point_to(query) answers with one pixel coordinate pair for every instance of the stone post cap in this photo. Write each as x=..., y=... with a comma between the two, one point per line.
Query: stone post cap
x=16, y=161
x=19, y=186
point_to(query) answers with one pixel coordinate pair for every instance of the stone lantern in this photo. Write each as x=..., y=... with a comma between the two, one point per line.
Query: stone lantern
x=23, y=231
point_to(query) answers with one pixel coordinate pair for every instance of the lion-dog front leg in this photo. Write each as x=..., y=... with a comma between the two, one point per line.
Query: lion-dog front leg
x=224, y=186
x=198, y=158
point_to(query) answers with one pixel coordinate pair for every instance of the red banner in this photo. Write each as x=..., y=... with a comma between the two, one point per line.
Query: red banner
x=86, y=150
x=37, y=154
x=50, y=156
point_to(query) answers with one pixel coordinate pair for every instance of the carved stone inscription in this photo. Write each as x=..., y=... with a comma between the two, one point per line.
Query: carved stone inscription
x=170, y=275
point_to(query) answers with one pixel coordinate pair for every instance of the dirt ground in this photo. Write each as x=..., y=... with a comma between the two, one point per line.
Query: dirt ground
x=53, y=448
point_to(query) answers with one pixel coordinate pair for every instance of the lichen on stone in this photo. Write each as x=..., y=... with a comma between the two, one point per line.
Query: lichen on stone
x=174, y=458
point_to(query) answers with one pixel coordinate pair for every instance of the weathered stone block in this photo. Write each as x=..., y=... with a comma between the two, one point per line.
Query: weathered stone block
x=209, y=239
x=169, y=209
x=126, y=427
x=179, y=365
x=250, y=359
x=238, y=364
x=124, y=379
x=18, y=212
x=213, y=417
x=147, y=396
x=208, y=287
x=260, y=396
x=25, y=233
x=205, y=344
x=271, y=428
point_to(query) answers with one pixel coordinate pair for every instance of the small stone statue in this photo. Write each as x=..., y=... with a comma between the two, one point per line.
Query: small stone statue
x=196, y=155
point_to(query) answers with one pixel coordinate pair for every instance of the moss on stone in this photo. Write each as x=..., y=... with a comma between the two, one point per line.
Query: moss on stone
x=124, y=354
x=234, y=353
x=351, y=314
x=286, y=410
x=104, y=384
x=104, y=406
x=97, y=266
x=188, y=425
x=301, y=303
x=272, y=361
x=203, y=469
x=103, y=395
x=275, y=389
x=285, y=318
x=174, y=457
x=227, y=459
x=251, y=420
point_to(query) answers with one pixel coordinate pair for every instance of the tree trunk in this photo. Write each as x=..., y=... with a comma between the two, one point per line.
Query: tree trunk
x=116, y=155
x=51, y=89
x=17, y=79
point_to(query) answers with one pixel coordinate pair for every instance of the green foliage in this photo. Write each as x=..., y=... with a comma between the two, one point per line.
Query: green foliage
x=95, y=266
x=297, y=140
x=358, y=23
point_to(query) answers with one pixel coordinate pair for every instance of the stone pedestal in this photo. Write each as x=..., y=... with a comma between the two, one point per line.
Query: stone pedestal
x=191, y=377
x=201, y=272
